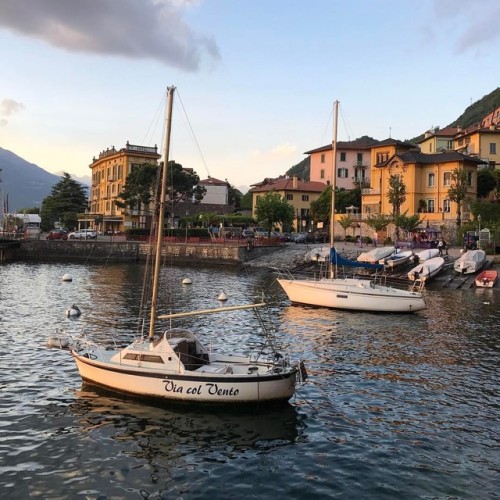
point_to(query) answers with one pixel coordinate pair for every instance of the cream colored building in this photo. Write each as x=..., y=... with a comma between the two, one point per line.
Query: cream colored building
x=109, y=172
x=299, y=194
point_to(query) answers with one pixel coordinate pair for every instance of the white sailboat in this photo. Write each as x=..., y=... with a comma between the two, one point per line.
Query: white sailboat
x=357, y=294
x=174, y=366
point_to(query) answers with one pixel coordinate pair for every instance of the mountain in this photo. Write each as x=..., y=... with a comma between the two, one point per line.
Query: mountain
x=477, y=111
x=24, y=184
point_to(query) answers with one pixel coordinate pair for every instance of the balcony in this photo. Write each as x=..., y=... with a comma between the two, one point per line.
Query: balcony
x=362, y=182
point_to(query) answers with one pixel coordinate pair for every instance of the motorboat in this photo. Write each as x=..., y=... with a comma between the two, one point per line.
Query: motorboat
x=396, y=259
x=470, y=261
x=429, y=253
x=426, y=270
x=376, y=255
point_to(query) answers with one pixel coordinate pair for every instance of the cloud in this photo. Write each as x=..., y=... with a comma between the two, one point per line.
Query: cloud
x=476, y=26
x=145, y=29
x=281, y=151
x=8, y=107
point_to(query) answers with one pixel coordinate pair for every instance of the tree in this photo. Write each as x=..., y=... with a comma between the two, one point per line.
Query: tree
x=346, y=222
x=234, y=197
x=458, y=190
x=67, y=198
x=320, y=208
x=486, y=182
x=183, y=185
x=272, y=209
x=246, y=201
x=406, y=222
x=396, y=193
x=139, y=187
x=378, y=222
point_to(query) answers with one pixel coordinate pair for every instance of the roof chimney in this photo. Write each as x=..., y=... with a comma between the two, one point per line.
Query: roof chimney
x=295, y=182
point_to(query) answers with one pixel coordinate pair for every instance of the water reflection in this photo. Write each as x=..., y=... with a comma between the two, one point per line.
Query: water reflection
x=98, y=411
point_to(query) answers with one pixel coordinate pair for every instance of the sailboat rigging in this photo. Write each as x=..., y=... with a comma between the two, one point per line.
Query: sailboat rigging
x=358, y=294
x=174, y=366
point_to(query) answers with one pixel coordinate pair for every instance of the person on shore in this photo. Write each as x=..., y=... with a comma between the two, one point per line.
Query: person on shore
x=441, y=246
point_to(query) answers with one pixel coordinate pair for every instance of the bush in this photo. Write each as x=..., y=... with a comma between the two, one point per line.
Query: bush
x=387, y=242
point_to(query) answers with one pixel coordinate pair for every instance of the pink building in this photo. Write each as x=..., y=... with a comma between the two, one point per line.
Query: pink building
x=353, y=163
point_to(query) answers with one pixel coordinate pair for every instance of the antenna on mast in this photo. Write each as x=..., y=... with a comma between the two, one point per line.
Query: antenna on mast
x=390, y=131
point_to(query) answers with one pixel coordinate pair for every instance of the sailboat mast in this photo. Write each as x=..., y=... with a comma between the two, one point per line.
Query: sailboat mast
x=161, y=211
x=334, y=172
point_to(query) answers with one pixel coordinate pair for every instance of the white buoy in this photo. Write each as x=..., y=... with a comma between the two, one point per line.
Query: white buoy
x=222, y=297
x=187, y=281
x=73, y=312
x=67, y=277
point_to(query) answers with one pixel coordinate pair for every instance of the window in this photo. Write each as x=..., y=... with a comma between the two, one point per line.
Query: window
x=493, y=148
x=469, y=178
x=430, y=206
x=446, y=206
x=447, y=179
x=305, y=197
x=322, y=173
x=342, y=173
x=359, y=158
x=289, y=197
x=342, y=156
x=431, y=180
x=381, y=157
x=322, y=157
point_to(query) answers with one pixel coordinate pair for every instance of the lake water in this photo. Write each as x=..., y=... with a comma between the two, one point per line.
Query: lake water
x=396, y=406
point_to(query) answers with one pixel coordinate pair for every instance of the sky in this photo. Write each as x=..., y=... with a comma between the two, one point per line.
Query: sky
x=256, y=80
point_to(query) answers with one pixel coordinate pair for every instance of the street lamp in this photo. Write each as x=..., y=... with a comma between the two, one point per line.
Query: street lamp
x=479, y=222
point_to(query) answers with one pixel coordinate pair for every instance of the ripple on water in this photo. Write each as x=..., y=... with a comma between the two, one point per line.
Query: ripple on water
x=396, y=405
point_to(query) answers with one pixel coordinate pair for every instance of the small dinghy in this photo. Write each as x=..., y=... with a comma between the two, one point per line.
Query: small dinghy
x=487, y=278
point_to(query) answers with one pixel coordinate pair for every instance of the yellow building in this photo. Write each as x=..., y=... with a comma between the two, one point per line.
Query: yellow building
x=438, y=140
x=483, y=142
x=296, y=192
x=109, y=172
x=427, y=179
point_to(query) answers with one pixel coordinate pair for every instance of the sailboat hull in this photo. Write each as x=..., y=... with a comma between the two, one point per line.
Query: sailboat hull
x=351, y=294
x=205, y=387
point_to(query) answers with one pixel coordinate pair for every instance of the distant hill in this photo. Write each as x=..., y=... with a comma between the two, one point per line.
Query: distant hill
x=477, y=111
x=25, y=184
x=474, y=113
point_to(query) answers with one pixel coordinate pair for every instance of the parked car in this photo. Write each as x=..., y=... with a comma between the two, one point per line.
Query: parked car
x=300, y=238
x=247, y=233
x=83, y=234
x=57, y=234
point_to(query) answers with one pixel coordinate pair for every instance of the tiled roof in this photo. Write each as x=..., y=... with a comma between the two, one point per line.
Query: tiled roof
x=356, y=145
x=212, y=181
x=395, y=142
x=181, y=208
x=416, y=157
x=286, y=184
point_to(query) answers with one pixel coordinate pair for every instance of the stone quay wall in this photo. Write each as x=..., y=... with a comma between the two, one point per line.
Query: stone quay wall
x=103, y=251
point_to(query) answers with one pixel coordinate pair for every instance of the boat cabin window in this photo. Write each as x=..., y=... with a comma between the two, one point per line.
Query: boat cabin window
x=149, y=358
